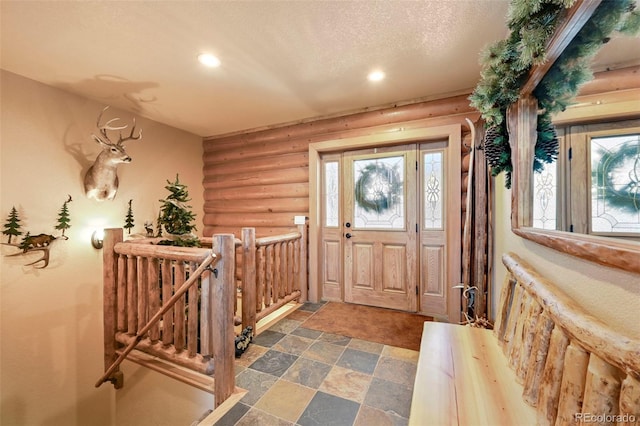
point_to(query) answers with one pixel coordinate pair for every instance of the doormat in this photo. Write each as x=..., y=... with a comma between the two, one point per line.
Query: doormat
x=386, y=326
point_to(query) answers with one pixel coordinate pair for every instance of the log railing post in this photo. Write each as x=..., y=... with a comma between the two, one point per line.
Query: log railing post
x=302, y=277
x=249, y=284
x=110, y=296
x=222, y=301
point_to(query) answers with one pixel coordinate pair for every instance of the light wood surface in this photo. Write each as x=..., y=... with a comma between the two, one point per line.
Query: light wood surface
x=464, y=379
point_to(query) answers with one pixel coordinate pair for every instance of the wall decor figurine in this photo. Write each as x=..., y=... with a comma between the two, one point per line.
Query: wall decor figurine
x=101, y=180
x=40, y=242
x=63, y=217
x=12, y=226
x=128, y=219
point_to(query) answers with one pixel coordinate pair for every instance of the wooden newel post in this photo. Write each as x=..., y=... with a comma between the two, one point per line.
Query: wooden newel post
x=249, y=284
x=222, y=301
x=110, y=294
x=303, y=278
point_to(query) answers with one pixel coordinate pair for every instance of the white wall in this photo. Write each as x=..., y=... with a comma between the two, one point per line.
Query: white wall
x=51, y=347
x=609, y=294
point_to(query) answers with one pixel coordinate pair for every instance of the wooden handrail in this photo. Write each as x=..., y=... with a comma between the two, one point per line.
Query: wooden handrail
x=265, y=241
x=589, y=332
x=184, y=254
x=211, y=257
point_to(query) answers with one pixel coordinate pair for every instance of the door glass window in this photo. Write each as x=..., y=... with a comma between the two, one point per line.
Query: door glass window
x=545, y=190
x=433, y=190
x=379, y=193
x=331, y=194
x=615, y=184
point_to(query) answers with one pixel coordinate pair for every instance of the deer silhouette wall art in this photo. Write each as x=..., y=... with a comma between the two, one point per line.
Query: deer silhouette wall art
x=101, y=180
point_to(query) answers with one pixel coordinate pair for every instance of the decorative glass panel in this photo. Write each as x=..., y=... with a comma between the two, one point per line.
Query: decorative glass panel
x=331, y=194
x=545, y=190
x=433, y=190
x=615, y=184
x=379, y=193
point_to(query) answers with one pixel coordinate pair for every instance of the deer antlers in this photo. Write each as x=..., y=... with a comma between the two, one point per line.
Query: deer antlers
x=108, y=126
x=101, y=180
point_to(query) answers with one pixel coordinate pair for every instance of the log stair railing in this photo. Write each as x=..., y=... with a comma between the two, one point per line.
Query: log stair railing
x=274, y=273
x=171, y=309
x=574, y=367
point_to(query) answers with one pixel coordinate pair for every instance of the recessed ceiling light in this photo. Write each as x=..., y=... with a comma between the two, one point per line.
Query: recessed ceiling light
x=376, y=75
x=209, y=60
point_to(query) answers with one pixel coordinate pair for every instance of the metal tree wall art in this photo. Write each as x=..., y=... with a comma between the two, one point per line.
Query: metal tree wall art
x=40, y=242
x=101, y=180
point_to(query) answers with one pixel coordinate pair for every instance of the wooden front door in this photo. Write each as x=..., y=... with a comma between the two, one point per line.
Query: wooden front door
x=389, y=224
x=379, y=219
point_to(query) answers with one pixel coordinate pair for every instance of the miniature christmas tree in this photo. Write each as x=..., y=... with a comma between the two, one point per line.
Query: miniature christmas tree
x=128, y=221
x=176, y=216
x=12, y=227
x=63, y=217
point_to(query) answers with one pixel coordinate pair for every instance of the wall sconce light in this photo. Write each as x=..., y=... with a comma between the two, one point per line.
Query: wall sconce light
x=97, y=238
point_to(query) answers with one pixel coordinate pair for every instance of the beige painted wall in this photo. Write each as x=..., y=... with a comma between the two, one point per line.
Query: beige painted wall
x=51, y=319
x=609, y=294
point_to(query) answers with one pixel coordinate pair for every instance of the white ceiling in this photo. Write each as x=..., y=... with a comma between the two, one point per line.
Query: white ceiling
x=282, y=61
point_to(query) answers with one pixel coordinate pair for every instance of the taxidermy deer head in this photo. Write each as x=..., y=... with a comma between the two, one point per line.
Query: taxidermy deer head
x=101, y=180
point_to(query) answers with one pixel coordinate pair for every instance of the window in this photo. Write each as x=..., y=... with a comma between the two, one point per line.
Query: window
x=594, y=187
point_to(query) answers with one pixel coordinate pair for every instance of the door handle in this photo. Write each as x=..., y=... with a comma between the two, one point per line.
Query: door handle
x=348, y=235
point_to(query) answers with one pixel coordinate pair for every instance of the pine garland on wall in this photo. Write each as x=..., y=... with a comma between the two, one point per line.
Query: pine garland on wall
x=506, y=65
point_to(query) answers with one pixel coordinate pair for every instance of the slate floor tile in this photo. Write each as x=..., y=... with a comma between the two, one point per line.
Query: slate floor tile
x=401, y=353
x=232, y=416
x=252, y=353
x=369, y=416
x=346, y=383
x=307, y=332
x=364, y=362
x=268, y=338
x=256, y=383
x=311, y=307
x=256, y=417
x=325, y=409
x=396, y=370
x=285, y=326
x=363, y=345
x=390, y=397
x=295, y=345
x=335, y=339
x=307, y=372
x=286, y=400
x=274, y=362
x=324, y=352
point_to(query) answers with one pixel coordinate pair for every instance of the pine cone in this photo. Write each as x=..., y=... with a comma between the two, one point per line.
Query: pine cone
x=493, y=151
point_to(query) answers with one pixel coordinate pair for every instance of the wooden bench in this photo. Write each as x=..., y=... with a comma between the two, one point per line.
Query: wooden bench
x=546, y=362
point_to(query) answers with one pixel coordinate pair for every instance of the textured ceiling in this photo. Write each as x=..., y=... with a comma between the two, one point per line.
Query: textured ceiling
x=281, y=61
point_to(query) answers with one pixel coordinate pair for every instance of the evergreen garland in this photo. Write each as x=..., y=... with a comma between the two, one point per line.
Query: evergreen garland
x=506, y=65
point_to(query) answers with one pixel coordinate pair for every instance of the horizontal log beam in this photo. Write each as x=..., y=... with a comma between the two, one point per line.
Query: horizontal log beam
x=280, y=205
x=252, y=178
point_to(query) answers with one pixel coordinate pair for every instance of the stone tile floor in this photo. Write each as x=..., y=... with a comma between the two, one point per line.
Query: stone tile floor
x=299, y=376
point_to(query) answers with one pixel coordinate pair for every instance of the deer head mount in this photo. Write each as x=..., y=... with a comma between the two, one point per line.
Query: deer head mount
x=101, y=180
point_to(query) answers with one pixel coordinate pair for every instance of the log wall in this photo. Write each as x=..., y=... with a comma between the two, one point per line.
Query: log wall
x=260, y=178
